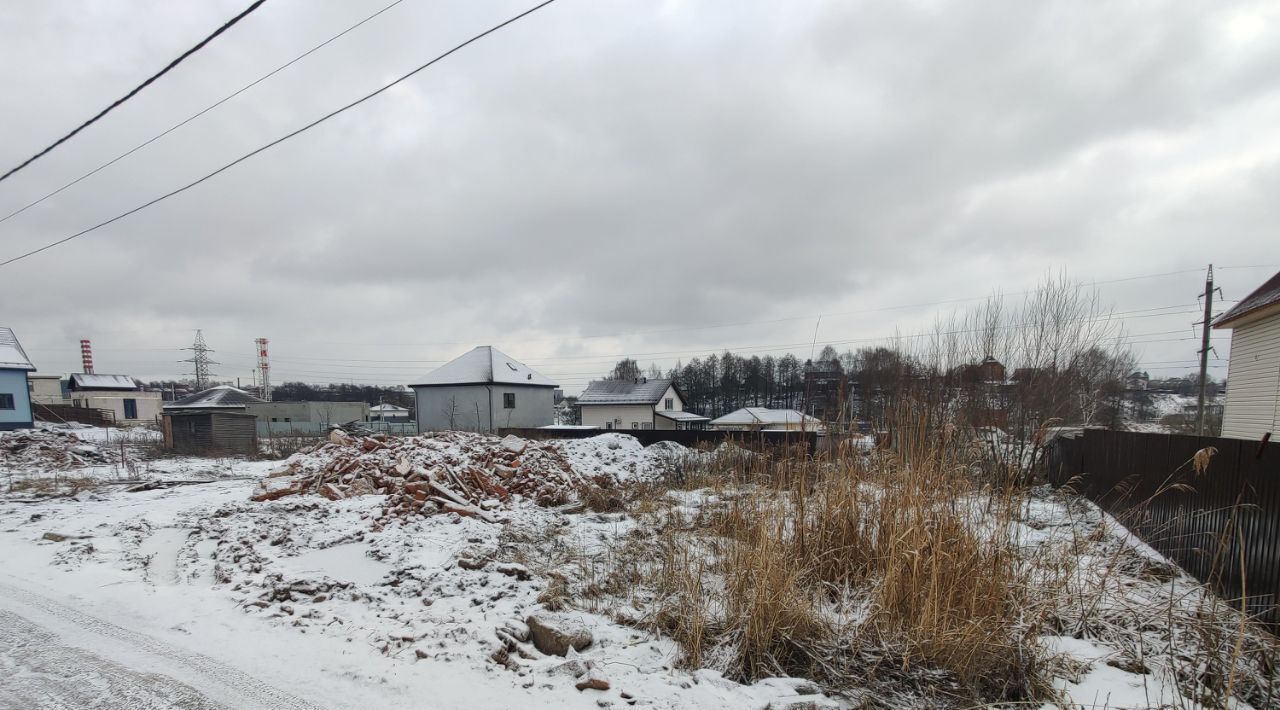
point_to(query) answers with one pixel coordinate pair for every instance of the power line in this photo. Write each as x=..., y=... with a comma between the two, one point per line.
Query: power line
x=281, y=139
x=199, y=113
x=136, y=89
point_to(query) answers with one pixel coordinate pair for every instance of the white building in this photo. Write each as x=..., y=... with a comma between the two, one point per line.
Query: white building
x=15, y=393
x=1253, y=398
x=764, y=419
x=388, y=413
x=483, y=390
x=119, y=394
x=640, y=403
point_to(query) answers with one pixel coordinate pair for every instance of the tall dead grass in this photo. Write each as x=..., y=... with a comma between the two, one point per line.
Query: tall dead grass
x=859, y=565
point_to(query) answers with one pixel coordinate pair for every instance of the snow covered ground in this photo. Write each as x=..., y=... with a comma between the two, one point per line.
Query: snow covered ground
x=124, y=595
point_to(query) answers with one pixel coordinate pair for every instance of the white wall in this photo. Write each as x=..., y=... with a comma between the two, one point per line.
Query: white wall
x=468, y=407
x=632, y=416
x=149, y=404
x=1253, y=380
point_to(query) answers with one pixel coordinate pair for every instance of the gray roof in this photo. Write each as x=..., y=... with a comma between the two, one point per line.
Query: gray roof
x=1263, y=296
x=484, y=365
x=765, y=417
x=679, y=415
x=83, y=381
x=638, y=391
x=223, y=396
x=12, y=356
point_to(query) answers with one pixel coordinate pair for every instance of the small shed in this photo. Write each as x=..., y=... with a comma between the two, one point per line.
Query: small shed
x=210, y=432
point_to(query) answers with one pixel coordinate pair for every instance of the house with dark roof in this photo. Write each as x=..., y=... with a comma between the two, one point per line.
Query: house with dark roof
x=1253, y=400
x=483, y=390
x=638, y=403
x=15, y=393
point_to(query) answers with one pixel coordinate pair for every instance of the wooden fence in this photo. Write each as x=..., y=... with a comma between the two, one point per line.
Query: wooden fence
x=1221, y=525
x=755, y=440
x=62, y=413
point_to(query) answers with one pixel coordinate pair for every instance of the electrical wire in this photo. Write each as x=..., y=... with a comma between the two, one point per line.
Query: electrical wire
x=279, y=140
x=136, y=89
x=199, y=113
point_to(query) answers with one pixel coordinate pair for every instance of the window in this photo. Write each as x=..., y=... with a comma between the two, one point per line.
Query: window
x=130, y=408
x=635, y=425
x=670, y=402
x=6, y=401
x=608, y=425
x=508, y=400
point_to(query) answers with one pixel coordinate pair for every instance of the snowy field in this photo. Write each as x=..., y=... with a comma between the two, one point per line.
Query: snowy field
x=134, y=594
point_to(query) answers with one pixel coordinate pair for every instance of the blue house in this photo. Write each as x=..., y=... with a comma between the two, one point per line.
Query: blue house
x=15, y=396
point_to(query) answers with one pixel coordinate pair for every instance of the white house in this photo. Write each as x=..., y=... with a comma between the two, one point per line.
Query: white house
x=483, y=390
x=15, y=394
x=1253, y=397
x=119, y=394
x=639, y=403
x=764, y=419
x=388, y=413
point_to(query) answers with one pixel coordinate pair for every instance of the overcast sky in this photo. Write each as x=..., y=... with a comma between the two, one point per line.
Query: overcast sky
x=613, y=177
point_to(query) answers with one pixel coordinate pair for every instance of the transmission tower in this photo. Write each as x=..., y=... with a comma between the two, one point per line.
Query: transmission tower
x=200, y=361
x=264, y=368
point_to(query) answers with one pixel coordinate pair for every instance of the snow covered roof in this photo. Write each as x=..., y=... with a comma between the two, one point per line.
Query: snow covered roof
x=1268, y=294
x=81, y=381
x=224, y=396
x=387, y=408
x=638, y=391
x=762, y=416
x=681, y=416
x=484, y=365
x=12, y=356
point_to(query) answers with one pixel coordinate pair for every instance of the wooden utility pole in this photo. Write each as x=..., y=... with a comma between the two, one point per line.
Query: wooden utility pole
x=1204, y=349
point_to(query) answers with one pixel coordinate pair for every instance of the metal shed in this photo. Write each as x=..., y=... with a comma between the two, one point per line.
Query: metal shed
x=210, y=432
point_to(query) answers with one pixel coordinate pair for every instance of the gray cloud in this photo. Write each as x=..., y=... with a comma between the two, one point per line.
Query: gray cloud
x=624, y=167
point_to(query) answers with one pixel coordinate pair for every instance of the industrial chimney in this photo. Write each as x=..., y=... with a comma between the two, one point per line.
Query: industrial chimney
x=86, y=357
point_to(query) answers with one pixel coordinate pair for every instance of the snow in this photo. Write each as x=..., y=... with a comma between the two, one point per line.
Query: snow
x=103, y=382
x=12, y=356
x=763, y=416
x=306, y=602
x=485, y=365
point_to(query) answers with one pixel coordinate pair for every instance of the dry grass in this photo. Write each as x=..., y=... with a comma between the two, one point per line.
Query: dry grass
x=859, y=558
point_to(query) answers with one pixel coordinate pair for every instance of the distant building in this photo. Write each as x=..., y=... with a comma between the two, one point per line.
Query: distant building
x=991, y=370
x=483, y=390
x=1138, y=381
x=1253, y=401
x=388, y=413
x=323, y=413
x=764, y=419
x=825, y=388
x=225, y=398
x=638, y=403
x=119, y=394
x=49, y=389
x=15, y=393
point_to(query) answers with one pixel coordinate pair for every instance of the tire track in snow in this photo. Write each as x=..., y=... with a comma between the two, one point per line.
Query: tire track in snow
x=250, y=689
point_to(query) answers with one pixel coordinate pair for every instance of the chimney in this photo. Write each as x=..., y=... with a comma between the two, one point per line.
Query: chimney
x=86, y=357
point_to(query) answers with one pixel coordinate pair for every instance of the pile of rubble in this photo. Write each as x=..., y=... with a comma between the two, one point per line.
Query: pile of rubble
x=460, y=472
x=49, y=449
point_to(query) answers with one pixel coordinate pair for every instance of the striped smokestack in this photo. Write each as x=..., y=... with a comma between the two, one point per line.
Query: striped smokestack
x=86, y=357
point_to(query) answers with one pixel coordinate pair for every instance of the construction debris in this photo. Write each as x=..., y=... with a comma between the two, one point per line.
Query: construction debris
x=469, y=474
x=50, y=449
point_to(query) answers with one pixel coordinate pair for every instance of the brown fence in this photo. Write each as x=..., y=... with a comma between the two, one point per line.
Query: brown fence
x=61, y=413
x=755, y=440
x=1221, y=525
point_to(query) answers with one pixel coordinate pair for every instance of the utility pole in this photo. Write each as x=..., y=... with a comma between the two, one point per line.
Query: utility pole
x=200, y=361
x=1204, y=349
